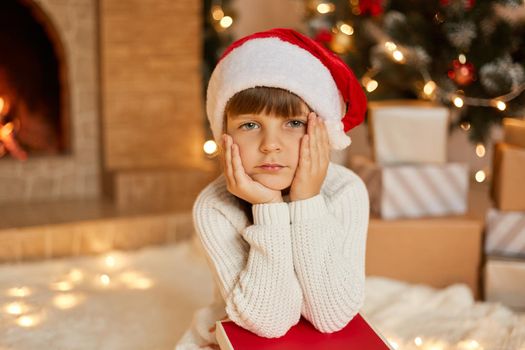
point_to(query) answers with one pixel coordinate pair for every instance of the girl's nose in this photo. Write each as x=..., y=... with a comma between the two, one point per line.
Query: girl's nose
x=270, y=143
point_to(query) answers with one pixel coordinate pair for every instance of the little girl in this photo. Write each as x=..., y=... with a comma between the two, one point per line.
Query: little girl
x=283, y=229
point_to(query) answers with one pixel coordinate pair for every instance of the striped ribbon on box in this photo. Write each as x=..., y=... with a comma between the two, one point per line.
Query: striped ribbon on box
x=505, y=233
x=411, y=191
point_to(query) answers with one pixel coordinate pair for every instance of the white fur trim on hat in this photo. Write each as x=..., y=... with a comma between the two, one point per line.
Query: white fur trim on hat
x=272, y=62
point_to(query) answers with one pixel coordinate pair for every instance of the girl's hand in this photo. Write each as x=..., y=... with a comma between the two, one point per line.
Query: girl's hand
x=314, y=157
x=239, y=183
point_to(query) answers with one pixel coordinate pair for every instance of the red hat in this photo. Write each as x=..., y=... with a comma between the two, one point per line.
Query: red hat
x=283, y=58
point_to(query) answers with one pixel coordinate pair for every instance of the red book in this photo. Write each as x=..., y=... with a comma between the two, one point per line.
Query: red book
x=357, y=334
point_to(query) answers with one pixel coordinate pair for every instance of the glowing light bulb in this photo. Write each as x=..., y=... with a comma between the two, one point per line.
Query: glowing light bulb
x=458, y=102
x=418, y=341
x=105, y=280
x=462, y=59
x=465, y=126
x=324, y=8
x=469, y=345
x=217, y=13
x=66, y=301
x=429, y=88
x=209, y=147
x=371, y=85
x=62, y=286
x=501, y=105
x=480, y=150
x=226, y=22
x=110, y=261
x=390, y=46
x=75, y=275
x=19, y=292
x=480, y=176
x=16, y=308
x=398, y=56
x=28, y=320
x=346, y=29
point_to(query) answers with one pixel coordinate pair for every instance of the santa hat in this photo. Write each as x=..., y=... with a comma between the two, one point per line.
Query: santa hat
x=283, y=58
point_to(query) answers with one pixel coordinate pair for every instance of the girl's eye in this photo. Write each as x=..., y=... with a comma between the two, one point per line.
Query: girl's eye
x=248, y=126
x=297, y=123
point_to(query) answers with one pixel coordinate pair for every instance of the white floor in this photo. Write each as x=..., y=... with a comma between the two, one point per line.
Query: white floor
x=145, y=300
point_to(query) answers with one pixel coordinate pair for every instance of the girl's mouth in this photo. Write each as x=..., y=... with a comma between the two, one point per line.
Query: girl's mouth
x=271, y=167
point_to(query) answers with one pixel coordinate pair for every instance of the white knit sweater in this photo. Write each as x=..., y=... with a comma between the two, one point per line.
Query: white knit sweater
x=297, y=258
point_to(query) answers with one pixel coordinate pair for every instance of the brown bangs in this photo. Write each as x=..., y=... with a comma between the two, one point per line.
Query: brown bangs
x=272, y=101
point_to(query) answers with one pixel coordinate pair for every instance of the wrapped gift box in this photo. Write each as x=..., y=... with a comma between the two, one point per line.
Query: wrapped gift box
x=408, y=132
x=505, y=233
x=414, y=191
x=508, y=184
x=505, y=282
x=514, y=130
x=437, y=251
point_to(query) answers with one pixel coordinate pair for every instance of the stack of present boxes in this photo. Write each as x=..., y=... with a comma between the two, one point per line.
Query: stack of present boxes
x=505, y=230
x=417, y=230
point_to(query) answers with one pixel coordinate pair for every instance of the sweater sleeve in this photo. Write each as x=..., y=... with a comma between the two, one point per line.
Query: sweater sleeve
x=253, y=266
x=329, y=253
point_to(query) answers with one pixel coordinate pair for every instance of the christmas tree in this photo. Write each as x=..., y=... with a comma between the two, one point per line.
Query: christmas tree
x=464, y=53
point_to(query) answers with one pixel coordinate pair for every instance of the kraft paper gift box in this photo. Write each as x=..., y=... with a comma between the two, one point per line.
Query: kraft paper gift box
x=408, y=131
x=436, y=251
x=514, y=131
x=414, y=191
x=505, y=233
x=508, y=184
x=505, y=282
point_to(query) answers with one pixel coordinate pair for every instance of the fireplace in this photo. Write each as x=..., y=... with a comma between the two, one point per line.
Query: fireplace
x=48, y=93
x=33, y=84
x=105, y=152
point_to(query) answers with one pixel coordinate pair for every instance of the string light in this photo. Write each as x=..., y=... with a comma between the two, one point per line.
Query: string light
x=66, y=301
x=110, y=261
x=210, y=147
x=62, y=286
x=75, y=275
x=418, y=341
x=226, y=22
x=324, y=8
x=19, y=292
x=480, y=176
x=28, y=320
x=480, y=150
x=465, y=126
x=347, y=29
x=217, y=13
x=469, y=345
x=398, y=56
x=16, y=308
x=458, y=102
x=402, y=54
x=135, y=280
x=390, y=46
x=222, y=21
x=104, y=280
x=501, y=105
x=369, y=83
x=429, y=88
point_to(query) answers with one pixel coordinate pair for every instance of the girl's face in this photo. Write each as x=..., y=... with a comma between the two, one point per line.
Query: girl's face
x=267, y=139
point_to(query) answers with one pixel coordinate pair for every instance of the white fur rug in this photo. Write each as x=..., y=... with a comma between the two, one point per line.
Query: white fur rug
x=145, y=300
